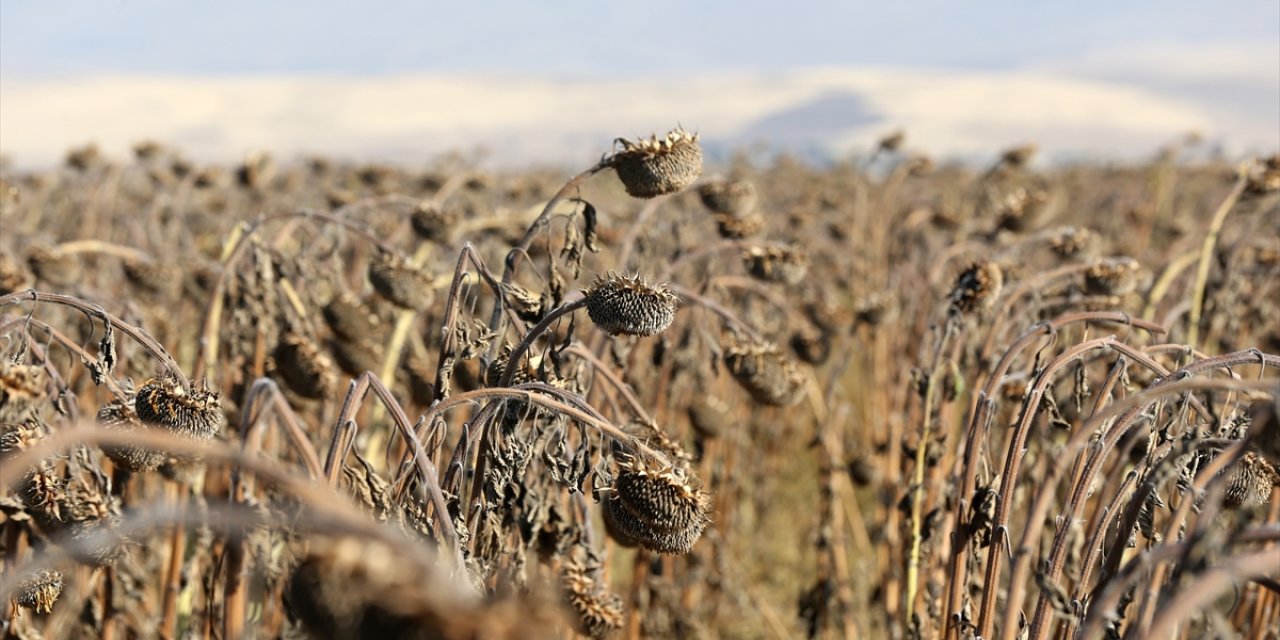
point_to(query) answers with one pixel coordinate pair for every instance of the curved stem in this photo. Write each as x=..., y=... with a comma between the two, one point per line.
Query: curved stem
x=67, y=343
x=917, y=480
x=512, y=263
x=981, y=413
x=701, y=252
x=687, y=296
x=209, y=342
x=112, y=322
x=1206, y=252
x=513, y=360
x=107, y=248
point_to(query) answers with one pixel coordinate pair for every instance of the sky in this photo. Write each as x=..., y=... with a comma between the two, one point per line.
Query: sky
x=1217, y=61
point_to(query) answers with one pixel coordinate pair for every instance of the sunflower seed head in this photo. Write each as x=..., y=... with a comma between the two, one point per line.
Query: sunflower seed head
x=731, y=227
x=195, y=414
x=432, y=222
x=1250, y=482
x=119, y=415
x=355, y=357
x=305, y=368
x=658, y=166
x=54, y=266
x=708, y=414
x=1074, y=242
x=598, y=612
x=977, y=287
x=619, y=304
x=777, y=263
x=1265, y=418
x=23, y=392
x=662, y=509
x=765, y=373
x=152, y=277
x=12, y=276
x=17, y=437
x=39, y=591
x=348, y=318
x=1264, y=176
x=1112, y=277
x=1018, y=156
x=729, y=197
x=813, y=347
x=400, y=282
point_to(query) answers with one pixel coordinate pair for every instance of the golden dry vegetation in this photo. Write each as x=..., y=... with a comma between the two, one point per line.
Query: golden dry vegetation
x=879, y=399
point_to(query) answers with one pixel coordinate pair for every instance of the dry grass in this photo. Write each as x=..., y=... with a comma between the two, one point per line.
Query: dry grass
x=895, y=400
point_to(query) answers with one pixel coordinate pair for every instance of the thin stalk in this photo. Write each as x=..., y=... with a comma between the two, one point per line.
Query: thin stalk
x=233, y=251
x=511, y=264
x=917, y=479
x=105, y=248
x=1206, y=253
x=112, y=322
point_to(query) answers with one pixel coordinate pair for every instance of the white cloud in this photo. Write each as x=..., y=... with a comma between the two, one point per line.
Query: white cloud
x=525, y=119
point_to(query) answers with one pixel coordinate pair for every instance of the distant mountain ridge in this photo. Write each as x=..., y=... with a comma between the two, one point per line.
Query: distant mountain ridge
x=517, y=120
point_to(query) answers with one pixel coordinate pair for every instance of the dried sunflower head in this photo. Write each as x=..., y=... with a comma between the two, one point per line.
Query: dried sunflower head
x=1074, y=242
x=522, y=375
x=355, y=357
x=873, y=308
x=662, y=509
x=305, y=368
x=764, y=372
x=17, y=437
x=39, y=591
x=977, y=287
x=658, y=166
x=1264, y=176
x=119, y=415
x=598, y=612
x=84, y=516
x=1265, y=416
x=1250, y=482
x=361, y=589
x=813, y=347
x=777, y=263
x=396, y=280
x=1018, y=156
x=434, y=223
x=892, y=141
x=195, y=414
x=731, y=227
x=23, y=392
x=349, y=319
x=729, y=197
x=628, y=305
x=1112, y=277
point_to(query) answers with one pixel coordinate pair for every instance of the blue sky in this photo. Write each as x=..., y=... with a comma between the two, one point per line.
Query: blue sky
x=592, y=37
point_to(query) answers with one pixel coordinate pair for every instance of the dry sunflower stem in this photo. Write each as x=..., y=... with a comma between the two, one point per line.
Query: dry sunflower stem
x=1040, y=411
